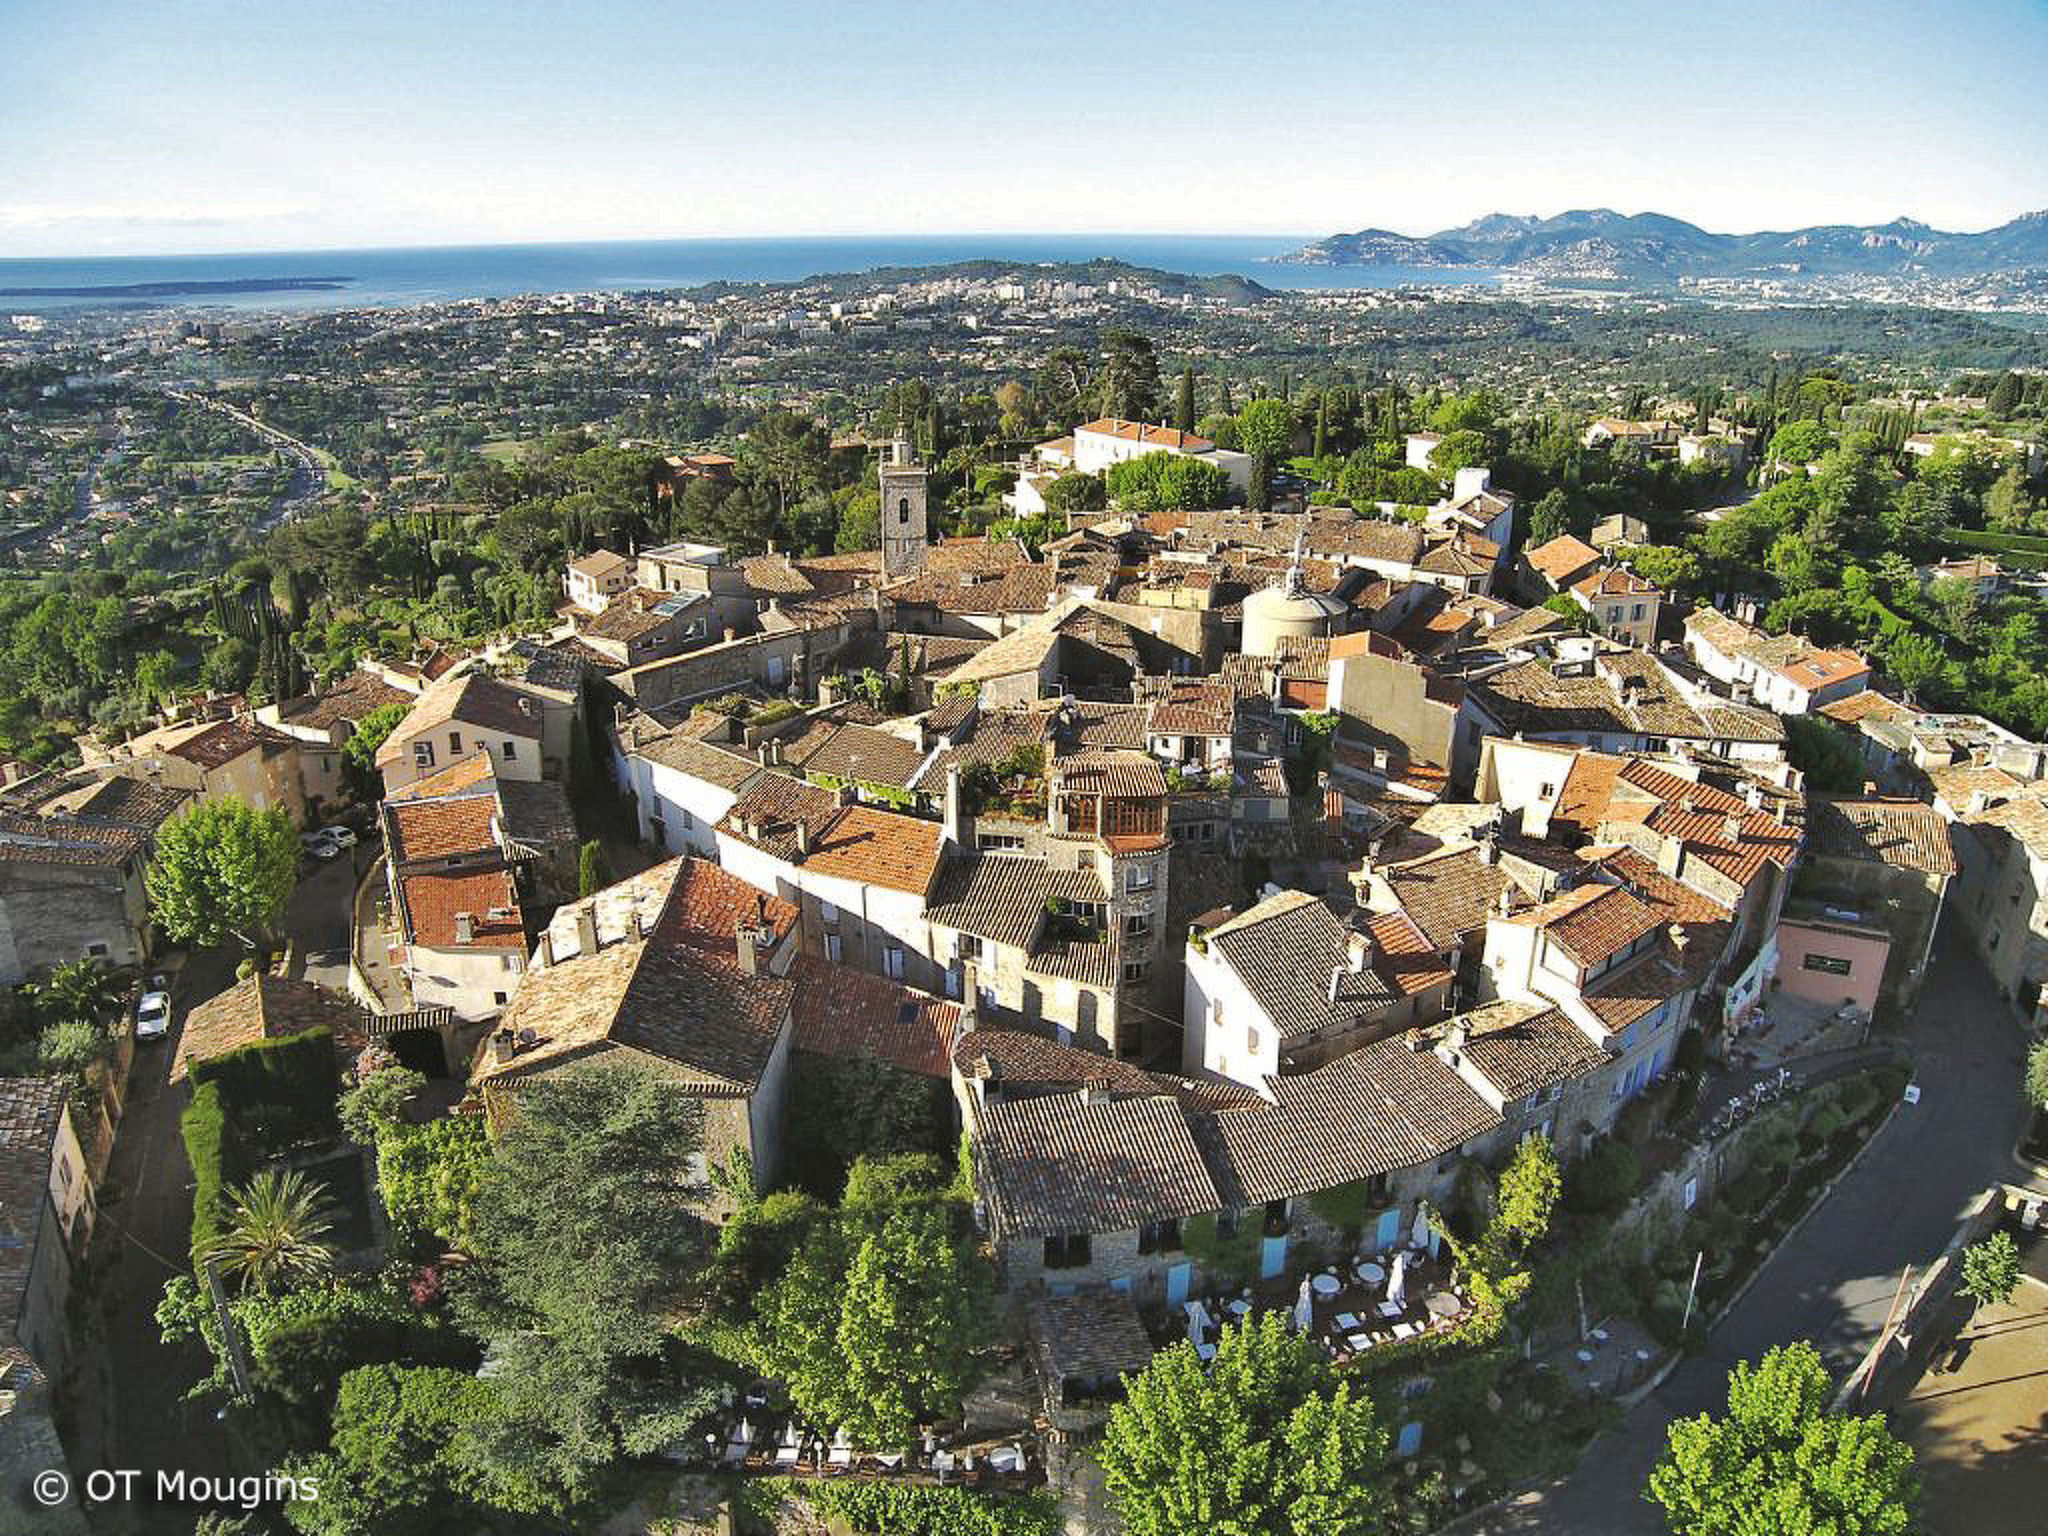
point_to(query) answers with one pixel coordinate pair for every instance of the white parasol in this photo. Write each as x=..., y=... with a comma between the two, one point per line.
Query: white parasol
x=1303, y=1308
x=1397, y=1280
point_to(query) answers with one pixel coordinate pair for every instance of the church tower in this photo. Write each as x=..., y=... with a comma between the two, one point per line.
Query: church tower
x=905, y=533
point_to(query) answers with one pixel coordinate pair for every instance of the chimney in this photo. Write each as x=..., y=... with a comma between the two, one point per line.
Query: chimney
x=586, y=928
x=1336, y=981
x=803, y=837
x=1679, y=938
x=1357, y=950
x=1457, y=1035
x=1731, y=827
x=1095, y=1091
x=504, y=1046
x=546, y=956
x=949, y=833
x=970, y=996
x=747, y=943
x=1670, y=857
x=465, y=928
x=775, y=751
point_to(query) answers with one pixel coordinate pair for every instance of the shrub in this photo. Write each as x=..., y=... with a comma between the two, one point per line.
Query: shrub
x=1601, y=1182
x=293, y=1078
x=429, y=1176
x=891, y=1509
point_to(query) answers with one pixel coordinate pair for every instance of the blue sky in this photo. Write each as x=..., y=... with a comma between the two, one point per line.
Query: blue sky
x=186, y=125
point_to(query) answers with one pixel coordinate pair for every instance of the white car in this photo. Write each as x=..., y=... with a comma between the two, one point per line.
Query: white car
x=153, y=1016
x=341, y=837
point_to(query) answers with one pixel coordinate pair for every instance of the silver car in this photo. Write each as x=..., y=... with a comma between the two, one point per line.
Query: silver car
x=153, y=1016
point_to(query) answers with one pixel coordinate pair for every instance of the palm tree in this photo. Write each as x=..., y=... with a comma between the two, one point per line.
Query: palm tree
x=277, y=1232
x=78, y=989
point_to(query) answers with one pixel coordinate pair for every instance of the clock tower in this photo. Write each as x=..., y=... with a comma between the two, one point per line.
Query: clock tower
x=906, y=486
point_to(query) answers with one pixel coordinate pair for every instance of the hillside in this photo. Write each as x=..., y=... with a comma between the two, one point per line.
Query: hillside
x=1598, y=242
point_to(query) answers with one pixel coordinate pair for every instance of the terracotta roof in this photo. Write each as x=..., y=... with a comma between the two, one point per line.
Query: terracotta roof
x=441, y=828
x=1145, y=433
x=1016, y=1064
x=1449, y=893
x=31, y=1109
x=474, y=699
x=430, y=899
x=846, y=1013
x=600, y=563
x=1563, y=559
x=1869, y=704
x=685, y=754
x=1592, y=922
x=1194, y=709
x=261, y=1007
x=457, y=778
x=1903, y=834
x=1002, y=896
x=858, y=754
x=1118, y=775
x=226, y=740
x=768, y=810
x=1615, y=581
x=350, y=698
x=876, y=847
x=1285, y=951
x=1403, y=957
x=665, y=981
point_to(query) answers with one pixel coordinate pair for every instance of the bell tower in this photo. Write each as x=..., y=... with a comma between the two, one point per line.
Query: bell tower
x=906, y=485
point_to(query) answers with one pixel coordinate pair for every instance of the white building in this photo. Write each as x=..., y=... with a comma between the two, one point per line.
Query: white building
x=595, y=579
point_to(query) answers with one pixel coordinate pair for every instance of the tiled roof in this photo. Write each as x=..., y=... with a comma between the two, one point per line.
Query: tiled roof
x=600, y=563
x=31, y=1109
x=1449, y=893
x=1118, y=775
x=687, y=755
x=1284, y=951
x=429, y=901
x=1375, y=1110
x=1145, y=433
x=1562, y=559
x=629, y=616
x=226, y=740
x=843, y=1012
x=1194, y=709
x=1615, y=581
x=536, y=813
x=441, y=828
x=261, y=1007
x=31, y=839
x=1402, y=955
x=1061, y=1163
x=1090, y=1336
x=1522, y=1048
x=860, y=754
x=457, y=778
x=1904, y=834
x=1001, y=896
x=767, y=812
x=474, y=699
x=1592, y=922
x=876, y=847
x=665, y=981
x=350, y=698
x=1868, y=704
x=1016, y=1064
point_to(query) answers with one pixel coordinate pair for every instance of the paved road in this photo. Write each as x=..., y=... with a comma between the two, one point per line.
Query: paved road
x=1833, y=1282
x=134, y=1414
x=318, y=917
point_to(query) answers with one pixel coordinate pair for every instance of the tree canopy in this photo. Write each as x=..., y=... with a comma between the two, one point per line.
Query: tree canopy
x=1264, y=1440
x=1779, y=1461
x=222, y=869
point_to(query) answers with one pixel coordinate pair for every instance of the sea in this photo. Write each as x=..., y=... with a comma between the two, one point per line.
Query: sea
x=400, y=277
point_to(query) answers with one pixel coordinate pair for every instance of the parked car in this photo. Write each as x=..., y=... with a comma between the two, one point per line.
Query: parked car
x=153, y=1016
x=311, y=841
x=340, y=836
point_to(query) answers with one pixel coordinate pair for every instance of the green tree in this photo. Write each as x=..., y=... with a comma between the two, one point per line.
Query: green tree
x=588, y=1236
x=1828, y=758
x=1672, y=568
x=1265, y=429
x=2037, y=1075
x=1991, y=1269
x=359, y=752
x=222, y=868
x=277, y=1233
x=83, y=989
x=429, y=1176
x=375, y=1106
x=1069, y=494
x=1265, y=1440
x=1529, y=1189
x=860, y=524
x=1779, y=1461
x=593, y=869
x=1127, y=384
x=1550, y=518
x=1184, y=400
x=1916, y=662
x=2004, y=397
x=1797, y=442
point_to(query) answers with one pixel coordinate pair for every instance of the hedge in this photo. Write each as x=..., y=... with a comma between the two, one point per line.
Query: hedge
x=217, y=1158
x=279, y=1092
x=893, y=1509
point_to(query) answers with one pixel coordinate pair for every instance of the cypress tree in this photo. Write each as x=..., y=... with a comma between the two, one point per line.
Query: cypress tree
x=1184, y=407
x=1322, y=426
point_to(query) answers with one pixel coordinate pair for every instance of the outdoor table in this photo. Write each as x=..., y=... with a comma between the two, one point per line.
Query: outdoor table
x=1391, y=1309
x=1238, y=1308
x=1360, y=1341
x=1346, y=1322
x=1441, y=1305
x=1371, y=1274
x=1326, y=1285
x=1405, y=1330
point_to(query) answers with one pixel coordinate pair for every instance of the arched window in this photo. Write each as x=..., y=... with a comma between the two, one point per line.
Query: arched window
x=903, y=510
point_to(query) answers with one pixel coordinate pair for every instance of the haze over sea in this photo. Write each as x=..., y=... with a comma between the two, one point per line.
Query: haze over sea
x=428, y=275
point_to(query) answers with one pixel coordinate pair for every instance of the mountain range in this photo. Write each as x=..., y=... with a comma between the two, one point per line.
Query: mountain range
x=1598, y=242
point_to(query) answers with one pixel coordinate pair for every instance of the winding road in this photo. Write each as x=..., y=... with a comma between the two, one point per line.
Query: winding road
x=1832, y=1282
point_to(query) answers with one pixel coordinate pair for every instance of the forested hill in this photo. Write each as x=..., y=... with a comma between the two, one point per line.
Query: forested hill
x=1654, y=245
